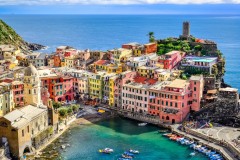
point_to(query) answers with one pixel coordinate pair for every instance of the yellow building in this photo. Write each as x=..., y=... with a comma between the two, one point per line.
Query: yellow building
x=8, y=51
x=32, y=93
x=112, y=83
x=146, y=71
x=69, y=62
x=137, y=52
x=120, y=55
x=95, y=83
x=6, y=98
x=115, y=68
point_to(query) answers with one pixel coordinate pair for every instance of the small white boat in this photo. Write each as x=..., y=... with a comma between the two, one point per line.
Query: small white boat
x=134, y=151
x=63, y=146
x=142, y=124
x=192, y=154
x=106, y=150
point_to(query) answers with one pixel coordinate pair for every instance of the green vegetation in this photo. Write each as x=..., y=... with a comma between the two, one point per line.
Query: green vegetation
x=151, y=36
x=56, y=105
x=63, y=112
x=9, y=36
x=170, y=44
x=68, y=110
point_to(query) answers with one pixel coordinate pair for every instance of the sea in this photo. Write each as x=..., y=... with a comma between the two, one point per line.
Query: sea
x=120, y=135
x=104, y=32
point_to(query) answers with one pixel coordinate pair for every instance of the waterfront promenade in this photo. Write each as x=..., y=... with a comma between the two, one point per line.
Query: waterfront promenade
x=225, y=148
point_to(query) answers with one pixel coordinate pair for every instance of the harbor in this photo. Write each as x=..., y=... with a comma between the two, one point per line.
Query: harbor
x=120, y=135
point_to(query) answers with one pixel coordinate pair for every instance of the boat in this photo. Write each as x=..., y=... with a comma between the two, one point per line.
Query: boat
x=126, y=156
x=134, y=151
x=63, y=146
x=192, y=154
x=129, y=154
x=142, y=124
x=106, y=150
x=163, y=131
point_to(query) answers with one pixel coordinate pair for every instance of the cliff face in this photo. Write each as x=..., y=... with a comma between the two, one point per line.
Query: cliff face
x=9, y=36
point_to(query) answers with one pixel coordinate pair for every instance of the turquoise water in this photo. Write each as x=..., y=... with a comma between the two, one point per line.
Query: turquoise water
x=122, y=134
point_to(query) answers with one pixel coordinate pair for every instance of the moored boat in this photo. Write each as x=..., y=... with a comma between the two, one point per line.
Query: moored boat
x=126, y=156
x=142, y=124
x=134, y=151
x=106, y=150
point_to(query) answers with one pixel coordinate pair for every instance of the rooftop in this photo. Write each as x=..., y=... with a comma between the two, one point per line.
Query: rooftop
x=144, y=80
x=196, y=78
x=172, y=52
x=200, y=59
x=228, y=89
x=132, y=44
x=102, y=62
x=21, y=117
x=178, y=83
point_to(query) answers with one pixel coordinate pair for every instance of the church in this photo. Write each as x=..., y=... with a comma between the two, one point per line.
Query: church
x=26, y=128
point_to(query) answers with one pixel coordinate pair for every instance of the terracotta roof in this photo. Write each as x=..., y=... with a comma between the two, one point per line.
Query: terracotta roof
x=144, y=80
x=102, y=62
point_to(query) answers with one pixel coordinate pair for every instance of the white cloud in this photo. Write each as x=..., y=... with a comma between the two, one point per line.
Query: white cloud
x=121, y=2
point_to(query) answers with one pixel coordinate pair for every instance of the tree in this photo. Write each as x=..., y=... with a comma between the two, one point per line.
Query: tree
x=63, y=112
x=151, y=36
x=69, y=110
x=74, y=108
x=56, y=105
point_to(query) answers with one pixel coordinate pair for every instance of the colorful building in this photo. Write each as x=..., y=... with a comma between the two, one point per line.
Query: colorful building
x=120, y=55
x=150, y=48
x=171, y=59
x=18, y=96
x=135, y=94
x=147, y=71
x=203, y=64
x=6, y=98
x=171, y=101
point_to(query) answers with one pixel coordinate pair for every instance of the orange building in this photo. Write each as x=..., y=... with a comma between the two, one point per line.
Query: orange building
x=150, y=48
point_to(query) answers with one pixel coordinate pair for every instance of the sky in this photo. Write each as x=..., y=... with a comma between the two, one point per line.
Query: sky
x=231, y=7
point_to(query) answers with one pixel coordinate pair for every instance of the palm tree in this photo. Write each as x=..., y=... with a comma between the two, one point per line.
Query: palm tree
x=151, y=36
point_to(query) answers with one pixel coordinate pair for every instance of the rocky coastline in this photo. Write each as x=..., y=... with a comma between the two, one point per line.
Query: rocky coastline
x=34, y=46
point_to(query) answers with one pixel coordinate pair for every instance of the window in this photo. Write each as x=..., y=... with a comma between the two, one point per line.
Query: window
x=29, y=91
x=28, y=129
x=23, y=133
x=176, y=105
x=195, y=89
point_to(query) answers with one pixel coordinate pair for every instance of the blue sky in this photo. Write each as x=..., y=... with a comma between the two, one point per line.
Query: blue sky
x=231, y=7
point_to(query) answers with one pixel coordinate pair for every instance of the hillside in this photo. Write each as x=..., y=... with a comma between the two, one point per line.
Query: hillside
x=9, y=36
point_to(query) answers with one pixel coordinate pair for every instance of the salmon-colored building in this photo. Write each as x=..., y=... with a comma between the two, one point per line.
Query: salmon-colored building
x=173, y=100
x=171, y=59
x=60, y=88
x=17, y=88
x=58, y=60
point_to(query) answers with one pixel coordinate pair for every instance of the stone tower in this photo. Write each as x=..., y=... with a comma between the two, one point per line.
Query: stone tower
x=186, y=30
x=32, y=92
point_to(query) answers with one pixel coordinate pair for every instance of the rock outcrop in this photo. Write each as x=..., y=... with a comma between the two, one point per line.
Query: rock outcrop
x=9, y=36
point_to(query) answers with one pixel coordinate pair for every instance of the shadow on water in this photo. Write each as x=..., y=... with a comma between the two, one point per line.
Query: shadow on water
x=126, y=126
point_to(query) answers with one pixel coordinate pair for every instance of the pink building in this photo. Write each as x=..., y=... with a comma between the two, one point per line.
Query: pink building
x=17, y=88
x=70, y=52
x=59, y=87
x=173, y=100
x=123, y=78
x=171, y=59
x=135, y=94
